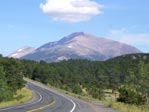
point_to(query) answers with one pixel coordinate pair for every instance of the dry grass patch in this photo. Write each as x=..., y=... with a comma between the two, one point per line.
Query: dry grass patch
x=22, y=96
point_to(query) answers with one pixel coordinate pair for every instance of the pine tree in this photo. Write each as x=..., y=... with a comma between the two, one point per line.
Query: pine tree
x=5, y=93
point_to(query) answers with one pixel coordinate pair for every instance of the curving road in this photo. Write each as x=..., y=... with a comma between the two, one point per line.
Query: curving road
x=47, y=100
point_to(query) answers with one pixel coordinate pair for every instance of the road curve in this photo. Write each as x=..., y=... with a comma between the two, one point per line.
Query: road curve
x=44, y=101
x=47, y=100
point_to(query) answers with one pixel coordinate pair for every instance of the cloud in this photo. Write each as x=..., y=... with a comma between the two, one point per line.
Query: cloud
x=71, y=10
x=123, y=35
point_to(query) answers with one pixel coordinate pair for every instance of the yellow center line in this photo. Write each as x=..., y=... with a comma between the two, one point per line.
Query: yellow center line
x=41, y=108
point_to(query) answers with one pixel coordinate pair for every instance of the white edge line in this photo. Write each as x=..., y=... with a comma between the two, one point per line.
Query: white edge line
x=8, y=108
x=44, y=87
x=74, y=106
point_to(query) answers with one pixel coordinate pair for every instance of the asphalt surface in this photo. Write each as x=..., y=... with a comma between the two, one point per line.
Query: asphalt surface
x=47, y=100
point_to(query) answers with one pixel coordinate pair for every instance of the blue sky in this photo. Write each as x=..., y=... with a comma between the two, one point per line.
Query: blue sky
x=36, y=22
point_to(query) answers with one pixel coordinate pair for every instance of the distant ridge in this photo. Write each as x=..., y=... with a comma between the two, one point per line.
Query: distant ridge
x=22, y=52
x=80, y=45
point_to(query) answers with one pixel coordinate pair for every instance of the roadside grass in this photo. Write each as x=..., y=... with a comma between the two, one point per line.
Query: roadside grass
x=22, y=96
x=110, y=100
x=125, y=107
x=83, y=97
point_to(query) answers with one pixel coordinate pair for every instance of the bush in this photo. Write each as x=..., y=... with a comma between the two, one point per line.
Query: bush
x=129, y=95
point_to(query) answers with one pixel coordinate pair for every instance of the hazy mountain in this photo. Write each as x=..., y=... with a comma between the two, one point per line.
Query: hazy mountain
x=80, y=45
x=22, y=52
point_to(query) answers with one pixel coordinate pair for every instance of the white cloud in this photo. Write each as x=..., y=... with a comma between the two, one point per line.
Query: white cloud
x=71, y=10
x=123, y=35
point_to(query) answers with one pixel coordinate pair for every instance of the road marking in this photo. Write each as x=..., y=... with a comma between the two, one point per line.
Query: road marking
x=64, y=96
x=24, y=105
x=41, y=108
x=74, y=106
x=39, y=98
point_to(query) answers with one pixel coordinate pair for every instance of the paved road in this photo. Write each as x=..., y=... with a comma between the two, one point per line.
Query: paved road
x=47, y=100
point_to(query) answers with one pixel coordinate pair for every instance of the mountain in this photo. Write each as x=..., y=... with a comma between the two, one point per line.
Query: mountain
x=80, y=45
x=21, y=52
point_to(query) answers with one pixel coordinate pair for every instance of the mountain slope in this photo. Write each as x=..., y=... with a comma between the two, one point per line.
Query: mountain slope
x=21, y=52
x=81, y=45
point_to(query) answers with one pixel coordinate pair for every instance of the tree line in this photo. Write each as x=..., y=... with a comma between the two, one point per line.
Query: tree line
x=11, y=78
x=127, y=74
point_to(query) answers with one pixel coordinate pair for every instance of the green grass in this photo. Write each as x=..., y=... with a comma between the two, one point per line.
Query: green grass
x=22, y=96
x=110, y=101
x=126, y=107
x=83, y=97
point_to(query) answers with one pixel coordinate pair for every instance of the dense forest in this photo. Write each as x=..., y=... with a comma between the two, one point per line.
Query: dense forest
x=128, y=74
x=11, y=78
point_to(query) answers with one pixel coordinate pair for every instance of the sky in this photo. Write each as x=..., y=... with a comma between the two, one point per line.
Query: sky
x=36, y=22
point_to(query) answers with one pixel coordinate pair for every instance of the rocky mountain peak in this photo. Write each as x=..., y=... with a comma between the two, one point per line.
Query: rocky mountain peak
x=79, y=45
x=65, y=40
x=76, y=34
x=22, y=52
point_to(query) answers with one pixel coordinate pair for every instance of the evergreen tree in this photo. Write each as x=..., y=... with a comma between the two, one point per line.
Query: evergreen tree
x=5, y=93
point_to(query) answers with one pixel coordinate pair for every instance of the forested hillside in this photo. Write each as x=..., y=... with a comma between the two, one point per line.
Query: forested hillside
x=127, y=74
x=11, y=78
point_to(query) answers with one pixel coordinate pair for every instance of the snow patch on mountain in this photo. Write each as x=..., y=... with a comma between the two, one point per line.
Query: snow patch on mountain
x=80, y=45
x=22, y=52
